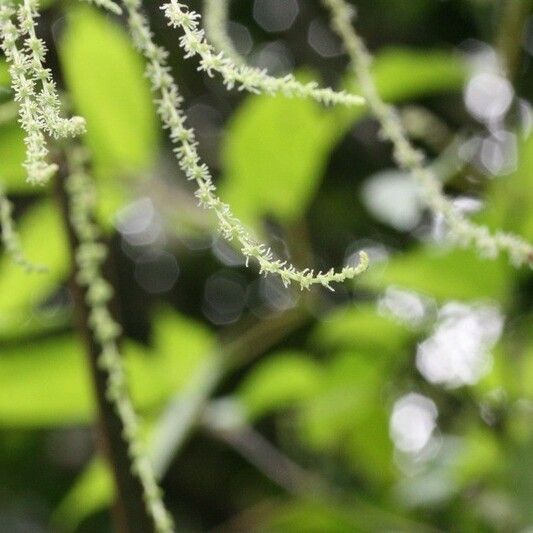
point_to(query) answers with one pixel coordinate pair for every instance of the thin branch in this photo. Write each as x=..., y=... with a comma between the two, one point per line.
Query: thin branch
x=186, y=409
x=142, y=506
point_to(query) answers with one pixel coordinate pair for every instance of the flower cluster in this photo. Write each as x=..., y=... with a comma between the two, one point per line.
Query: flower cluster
x=464, y=231
x=168, y=102
x=243, y=77
x=34, y=88
x=90, y=255
x=39, y=107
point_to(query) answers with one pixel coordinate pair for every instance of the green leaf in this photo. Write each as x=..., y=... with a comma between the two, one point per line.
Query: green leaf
x=348, y=416
x=275, y=150
x=180, y=345
x=330, y=515
x=4, y=76
x=28, y=323
x=405, y=74
x=92, y=491
x=274, y=155
x=445, y=275
x=105, y=79
x=480, y=457
x=281, y=381
x=311, y=516
x=508, y=208
x=525, y=375
x=45, y=384
x=12, y=155
x=44, y=241
x=361, y=327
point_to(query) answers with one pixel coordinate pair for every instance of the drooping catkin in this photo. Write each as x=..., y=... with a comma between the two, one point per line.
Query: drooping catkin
x=465, y=232
x=241, y=76
x=89, y=257
x=168, y=100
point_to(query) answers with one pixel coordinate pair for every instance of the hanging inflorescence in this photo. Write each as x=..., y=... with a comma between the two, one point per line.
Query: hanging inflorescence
x=465, y=232
x=40, y=116
x=168, y=101
x=34, y=89
x=243, y=77
x=38, y=107
x=89, y=258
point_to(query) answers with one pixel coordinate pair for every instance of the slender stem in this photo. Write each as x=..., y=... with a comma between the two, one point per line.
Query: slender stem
x=185, y=410
x=305, y=485
x=130, y=513
x=511, y=29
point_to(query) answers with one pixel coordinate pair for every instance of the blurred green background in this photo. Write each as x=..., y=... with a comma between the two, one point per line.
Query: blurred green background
x=400, y=402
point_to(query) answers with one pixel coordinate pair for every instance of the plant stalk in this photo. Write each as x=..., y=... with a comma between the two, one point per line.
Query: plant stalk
x=129, y=514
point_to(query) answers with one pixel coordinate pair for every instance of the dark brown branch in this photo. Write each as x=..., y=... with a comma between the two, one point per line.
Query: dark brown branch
x=130, y=515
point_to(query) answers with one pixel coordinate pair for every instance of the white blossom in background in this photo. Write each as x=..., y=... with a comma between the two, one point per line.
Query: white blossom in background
x=394, y=199
x=406, y=306
x=412, y=423
x=488, y=96
x=458, y=351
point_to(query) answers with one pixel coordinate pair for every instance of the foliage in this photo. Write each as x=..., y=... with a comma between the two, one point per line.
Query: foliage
x=263, y=407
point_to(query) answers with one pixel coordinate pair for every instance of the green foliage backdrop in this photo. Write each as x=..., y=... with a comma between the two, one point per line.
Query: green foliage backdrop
x=267, y=408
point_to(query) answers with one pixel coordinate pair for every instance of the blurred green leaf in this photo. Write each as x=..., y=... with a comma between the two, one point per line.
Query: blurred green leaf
x=92, y=491
x=25, y=323
x=4, y=75
x=180, y=345
x=274, y=155
x=361, y=327
x=12, y=154
x=507, y=206
x=44, y=241
x=348, y=416
x=30, y=371
x=526, y=372
x=313, y=517
x=105, y=79
x=44, y=384
x=479, y=457
x=282, y=380
x=276, y=149
x=402, y=73
x=445, y=275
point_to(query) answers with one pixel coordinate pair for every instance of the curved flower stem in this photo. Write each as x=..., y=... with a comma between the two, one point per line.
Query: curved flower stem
x=466, y=232
x=168, y=100
x=216, y=18
x=242, y=76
